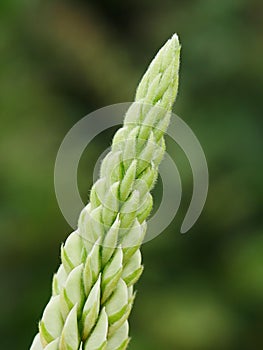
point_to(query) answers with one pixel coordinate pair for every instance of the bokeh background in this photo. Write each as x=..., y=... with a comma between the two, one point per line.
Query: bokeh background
x=60, y=60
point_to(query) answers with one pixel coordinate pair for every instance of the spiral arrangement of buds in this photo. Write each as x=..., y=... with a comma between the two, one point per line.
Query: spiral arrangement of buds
x=93, y=289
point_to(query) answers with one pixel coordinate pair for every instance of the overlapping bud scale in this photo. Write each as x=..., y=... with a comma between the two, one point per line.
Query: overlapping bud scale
x=92, y=291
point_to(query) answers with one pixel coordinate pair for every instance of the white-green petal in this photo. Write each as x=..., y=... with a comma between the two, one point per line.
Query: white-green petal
x=73, y=248
x=146, y=180
x=128, y=181
x=70, y=339
x=145, y=208
x=110, y=167
x=116, y=325
x=134, y=237
x=110, y=205
x=73, y=291
x=92, y=267
x=94, y=198
x=133, y=269
x=85, y=229
x=67, y=263
x=129, y=152
x=36, y=344
x=98, y=192
x=96, y=226
x=133, y=114
x=132, y=241
x=110, y=242
x=98, y=337
x=120, y=339
x=149, y=122
x=117, y=144
x=59, y=280
x=91, y=309
x=146, y=155
x=128, y=210
x=54, y=345
x=118, y=302
x=52, y=323
x=162, y=126
x=159, y=152
x=111, y=274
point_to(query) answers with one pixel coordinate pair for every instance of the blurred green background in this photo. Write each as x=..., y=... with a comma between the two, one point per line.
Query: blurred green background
x=60, y=60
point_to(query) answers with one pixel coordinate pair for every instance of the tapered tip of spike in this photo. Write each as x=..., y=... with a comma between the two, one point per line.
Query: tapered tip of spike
x=160, y=82
x=175, y=38
x=172, y=44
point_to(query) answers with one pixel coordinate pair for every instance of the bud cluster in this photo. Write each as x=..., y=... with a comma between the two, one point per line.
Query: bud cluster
x=93, y=289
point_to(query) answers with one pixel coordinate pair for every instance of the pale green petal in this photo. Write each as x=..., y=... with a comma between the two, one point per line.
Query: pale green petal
x=70, y=335
x=111, y=274
x=52, y=323
x=120, y=339
x=98, y=337
x=36, y=345
x=91, y=309
x=117, y=304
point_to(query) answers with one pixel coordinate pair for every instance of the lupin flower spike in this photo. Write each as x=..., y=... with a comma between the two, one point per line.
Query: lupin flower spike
x=92, y=291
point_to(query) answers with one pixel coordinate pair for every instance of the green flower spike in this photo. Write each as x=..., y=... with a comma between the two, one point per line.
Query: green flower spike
x=92, y=291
